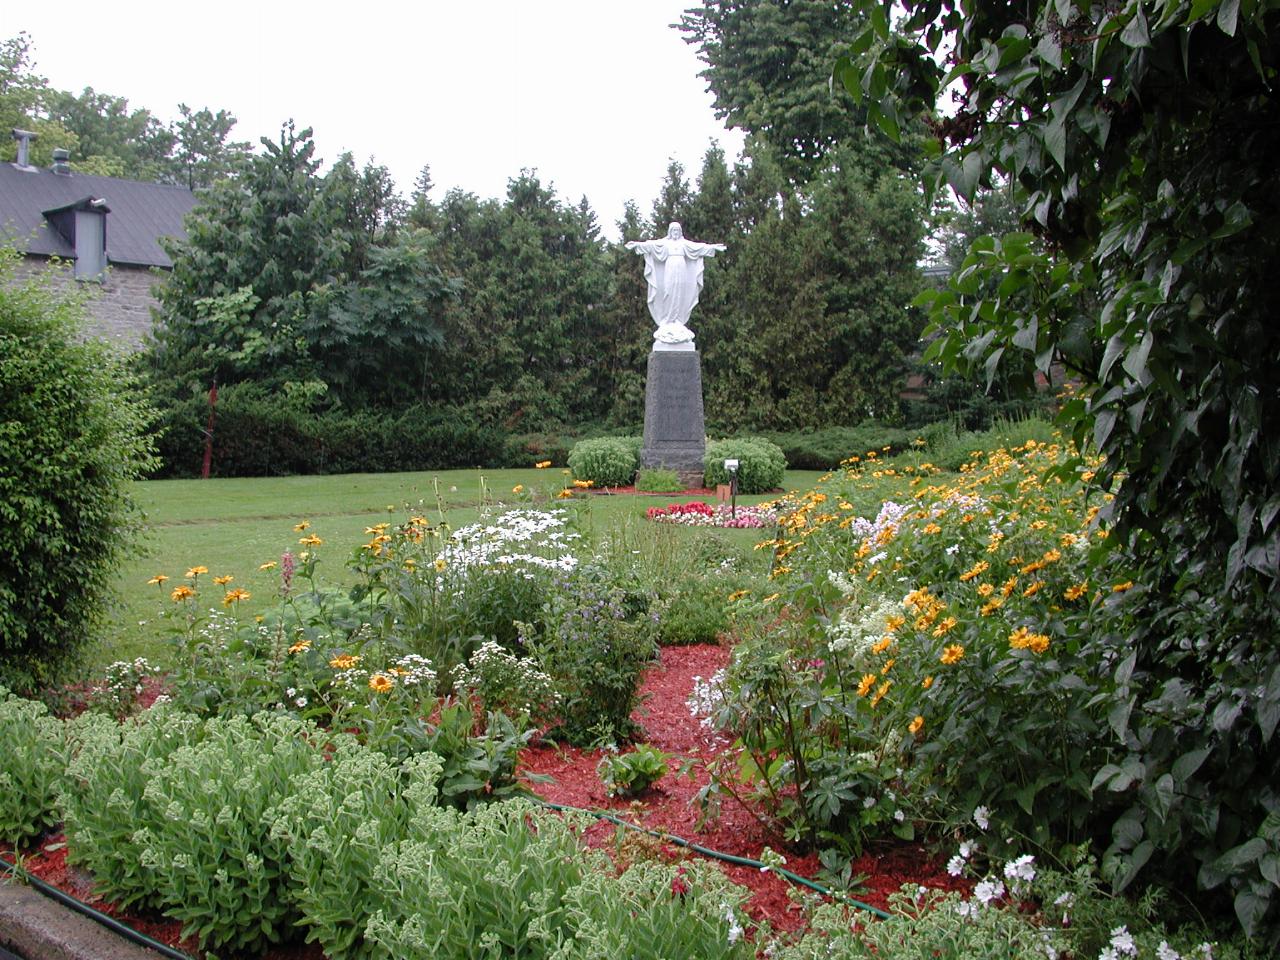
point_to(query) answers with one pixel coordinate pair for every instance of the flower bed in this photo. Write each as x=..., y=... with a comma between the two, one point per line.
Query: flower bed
x=699, y=513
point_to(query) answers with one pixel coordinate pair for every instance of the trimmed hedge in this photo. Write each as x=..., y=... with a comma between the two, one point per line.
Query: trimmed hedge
x=260, y=434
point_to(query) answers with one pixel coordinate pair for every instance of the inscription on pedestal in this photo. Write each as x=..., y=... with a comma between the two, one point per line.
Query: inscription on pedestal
x=674, y=428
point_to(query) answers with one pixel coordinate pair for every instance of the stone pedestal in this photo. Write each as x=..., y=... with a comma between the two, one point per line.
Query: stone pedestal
x=674, y=430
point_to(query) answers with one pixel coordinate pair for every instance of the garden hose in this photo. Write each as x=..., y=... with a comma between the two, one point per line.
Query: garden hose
x=111, y=923
x=717, y=855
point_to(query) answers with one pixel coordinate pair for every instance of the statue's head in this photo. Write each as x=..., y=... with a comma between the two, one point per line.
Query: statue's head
x=675, y=232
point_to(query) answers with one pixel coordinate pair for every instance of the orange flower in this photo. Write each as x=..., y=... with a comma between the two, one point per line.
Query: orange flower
x=1122, y=587
x=157, y=580
x=976, y=570
x=223, y=581
x=299, y=527
x=181, y=592
x=196, y=571
x=311, y=540
x=344, y=661
x=881, y=645
x=868, y=681
x=300, y=647
x=380, y=683
x=952, y=654
x=542, y=464
x=235, y=596
x=926, y=683
x=1077, y=591
x=880, y=692
x=915, y=725
x=269, y=565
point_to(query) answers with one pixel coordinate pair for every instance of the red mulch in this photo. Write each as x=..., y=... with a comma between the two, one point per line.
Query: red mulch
x=632, y=491
x=666, y=807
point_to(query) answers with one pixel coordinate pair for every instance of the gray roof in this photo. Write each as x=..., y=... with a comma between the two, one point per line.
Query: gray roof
x=140, y=213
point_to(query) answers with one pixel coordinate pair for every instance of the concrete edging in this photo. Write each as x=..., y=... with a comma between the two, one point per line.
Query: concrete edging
x=39, y=928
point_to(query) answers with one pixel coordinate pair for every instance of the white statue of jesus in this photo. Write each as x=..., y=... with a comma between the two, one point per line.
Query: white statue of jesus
x=673, y=269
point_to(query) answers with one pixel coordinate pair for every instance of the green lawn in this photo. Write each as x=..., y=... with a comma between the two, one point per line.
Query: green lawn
x=232, y=526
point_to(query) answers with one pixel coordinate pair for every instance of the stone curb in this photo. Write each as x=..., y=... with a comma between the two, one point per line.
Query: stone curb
x=39, y=928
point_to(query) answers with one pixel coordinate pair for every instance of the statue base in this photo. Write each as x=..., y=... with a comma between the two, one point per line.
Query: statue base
x=675, y=433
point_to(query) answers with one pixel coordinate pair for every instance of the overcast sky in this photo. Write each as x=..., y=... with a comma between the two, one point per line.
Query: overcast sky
x=596, y=95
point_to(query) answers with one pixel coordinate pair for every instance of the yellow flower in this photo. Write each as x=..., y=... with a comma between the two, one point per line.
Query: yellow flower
x=311, y=540
x=738, y=595
x=915, y=725
x=880, y=692
x=439, y=563
x=235, y=596
x=157, y=580
x=893, y=622
x=181, y=592
x=1032, y=590
x=932, y=528
x=269, y=565
x=1077, y=591
x=944, y=626
x=770, y=598
x=868, y=681
x=299, y=527
x=991, y=606
x=952, y=654
x=985, y=589
x=1007, y=587
x=518, y=488
x=926, y=683
x=1122, y=587
x=380, y=683
x=223, y=581
x=196, y=571
x=888, y=665
x=977, y=570
x=300, y=647
x=1038, y=643
x=564, y=494
x=542, y=464
x=881, y=645
x=344, y=661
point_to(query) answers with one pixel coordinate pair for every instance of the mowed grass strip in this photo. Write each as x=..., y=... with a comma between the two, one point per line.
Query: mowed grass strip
x=233, y=526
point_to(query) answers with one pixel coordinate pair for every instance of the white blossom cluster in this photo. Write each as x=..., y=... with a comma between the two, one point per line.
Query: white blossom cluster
x=494, y=670
x=858, y=628
x=530, y=538
x=706, y=698
x=890, y=515
x=415, y=671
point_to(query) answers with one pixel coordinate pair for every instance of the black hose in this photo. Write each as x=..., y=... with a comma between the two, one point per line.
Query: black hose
x=111, y=923
x=717, y=855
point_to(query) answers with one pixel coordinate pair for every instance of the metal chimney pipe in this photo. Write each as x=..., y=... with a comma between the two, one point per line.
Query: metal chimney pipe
x=61, y=164
x=24, y=138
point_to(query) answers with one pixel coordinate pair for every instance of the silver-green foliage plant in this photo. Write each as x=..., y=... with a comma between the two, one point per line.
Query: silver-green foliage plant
x=210, y=849
x=104, y=801
x=509, y=880
x=761, y=464
x=31, y=766
x=339, y=824
x=605, y=461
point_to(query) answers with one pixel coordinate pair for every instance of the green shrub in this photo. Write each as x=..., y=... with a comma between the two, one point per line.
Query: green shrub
x=31, y=768
x=595, y=641
x=71, y=441
x=760, y=464
x=695, y=613
x=606, y=461
x=951, y=451
x=656, y=480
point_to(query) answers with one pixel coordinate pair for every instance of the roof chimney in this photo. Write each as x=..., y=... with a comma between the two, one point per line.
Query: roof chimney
x=24, y=138
x=61, y=166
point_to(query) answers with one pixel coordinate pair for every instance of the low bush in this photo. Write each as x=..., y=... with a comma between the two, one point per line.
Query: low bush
x=656, y=480
x=595, y=640
x=761, y=464
x=633, y=771
x=828, y=447
x=695, y=612
x=31, y=768
x=606, y=461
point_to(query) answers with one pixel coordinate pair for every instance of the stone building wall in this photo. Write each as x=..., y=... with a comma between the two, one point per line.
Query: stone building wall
x=119, y=306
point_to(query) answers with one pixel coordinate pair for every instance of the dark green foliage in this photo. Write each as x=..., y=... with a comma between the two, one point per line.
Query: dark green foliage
x=695, y=613
x=262, y=433
x=1147, y=172
x=826, y=448
x=760, y=464
x=71, y=440
x=605, y=461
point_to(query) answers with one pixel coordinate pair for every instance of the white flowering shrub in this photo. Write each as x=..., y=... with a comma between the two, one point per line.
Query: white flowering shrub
x=502, y=681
